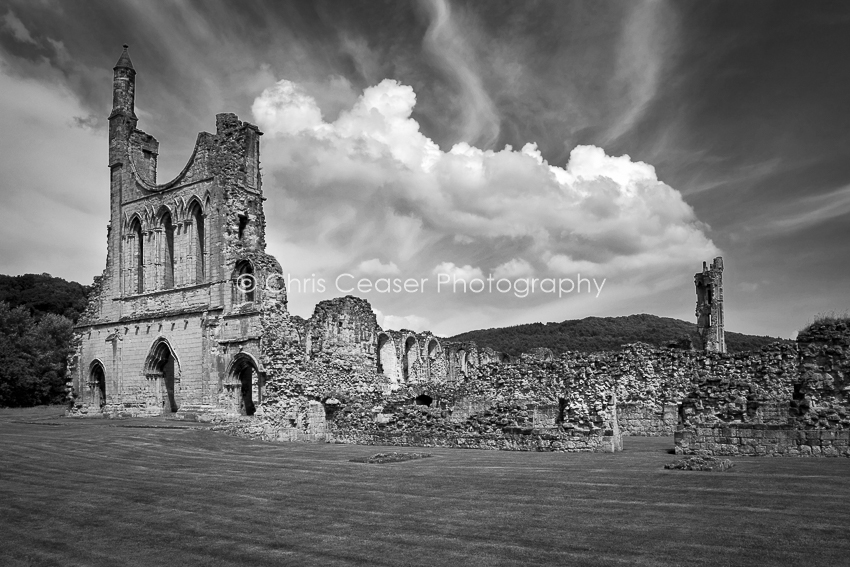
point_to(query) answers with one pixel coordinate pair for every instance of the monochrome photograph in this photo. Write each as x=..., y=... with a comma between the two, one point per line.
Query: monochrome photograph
x=424, y=282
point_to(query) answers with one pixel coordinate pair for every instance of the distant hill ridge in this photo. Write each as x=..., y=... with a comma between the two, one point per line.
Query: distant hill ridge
x=593, y=334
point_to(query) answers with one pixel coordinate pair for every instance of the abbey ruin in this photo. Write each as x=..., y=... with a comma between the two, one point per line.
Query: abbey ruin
x=177, y=325
x=709, y=312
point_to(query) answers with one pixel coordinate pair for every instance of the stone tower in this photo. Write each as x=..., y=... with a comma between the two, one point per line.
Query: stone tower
x=176, y=323
x=709, y=311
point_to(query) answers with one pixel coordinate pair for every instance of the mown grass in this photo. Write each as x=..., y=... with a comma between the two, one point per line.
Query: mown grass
x=95, y=492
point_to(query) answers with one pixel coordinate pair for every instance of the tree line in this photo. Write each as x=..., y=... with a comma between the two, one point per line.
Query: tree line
x=594, y=334
x=37, y=317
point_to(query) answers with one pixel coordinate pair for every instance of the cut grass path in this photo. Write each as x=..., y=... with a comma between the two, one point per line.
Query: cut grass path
x=151, y=492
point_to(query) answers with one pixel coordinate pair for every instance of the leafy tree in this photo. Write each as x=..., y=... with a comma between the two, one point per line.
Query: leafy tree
x=33, y=357
x=42, y=294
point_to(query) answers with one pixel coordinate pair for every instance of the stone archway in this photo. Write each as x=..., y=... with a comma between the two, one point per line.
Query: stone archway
x=161, y=366
x=246, y=384
x=387, y=358
x=434, y=351
x=462, y=362
x=97, y=383
x=409, y=357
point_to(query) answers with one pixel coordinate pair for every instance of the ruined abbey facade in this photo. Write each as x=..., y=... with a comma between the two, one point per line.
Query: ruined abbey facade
x=190, y=320
x=169, y=328
x=190, y=307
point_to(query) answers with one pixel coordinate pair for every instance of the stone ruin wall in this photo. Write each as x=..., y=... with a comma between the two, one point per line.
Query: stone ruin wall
x=799, y=413
x=322, y=384
x=574, y=401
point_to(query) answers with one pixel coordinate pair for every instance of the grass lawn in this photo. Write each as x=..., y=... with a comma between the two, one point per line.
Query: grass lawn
x=151, y=492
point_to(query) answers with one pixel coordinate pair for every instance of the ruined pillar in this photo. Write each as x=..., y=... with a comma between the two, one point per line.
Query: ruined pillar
x=709, y=311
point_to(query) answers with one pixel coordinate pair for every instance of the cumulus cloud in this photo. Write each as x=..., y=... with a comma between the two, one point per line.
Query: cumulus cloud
x=464, y=273
x=378, y=268
x=399, y=322
x=370, y=185
x=513, y=269
x=286, y=108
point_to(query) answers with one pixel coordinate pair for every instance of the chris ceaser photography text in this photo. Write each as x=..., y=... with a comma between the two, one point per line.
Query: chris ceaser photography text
x=443, y=283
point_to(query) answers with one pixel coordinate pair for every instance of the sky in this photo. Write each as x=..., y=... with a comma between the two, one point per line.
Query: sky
x=606, y=149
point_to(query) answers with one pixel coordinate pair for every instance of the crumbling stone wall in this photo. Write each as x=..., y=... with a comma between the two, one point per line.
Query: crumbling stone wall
x=657, y=420
x=520, y=406
x=343, y=329
x=709, y=310
x=800, y=408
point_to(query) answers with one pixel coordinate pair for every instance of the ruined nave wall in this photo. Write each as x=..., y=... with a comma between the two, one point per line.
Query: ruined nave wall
x=805, y=413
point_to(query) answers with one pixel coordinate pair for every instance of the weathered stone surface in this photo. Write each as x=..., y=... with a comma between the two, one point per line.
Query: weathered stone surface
x=798, y=408
x=709, y=311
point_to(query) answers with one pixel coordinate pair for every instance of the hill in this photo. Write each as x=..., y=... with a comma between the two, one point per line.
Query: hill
x=600, y=333
x=42, y=294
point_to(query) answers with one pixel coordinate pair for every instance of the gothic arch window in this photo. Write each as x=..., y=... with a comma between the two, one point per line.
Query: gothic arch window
x=244, y=283
x=167, y=249
x=462, y=362
x=433, y=350
x=409, y=356
x=136, y=258
x=198, y=243
x=387, y=359
x=243, y=224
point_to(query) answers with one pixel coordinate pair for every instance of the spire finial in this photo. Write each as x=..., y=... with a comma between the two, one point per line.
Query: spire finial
x=124, y=60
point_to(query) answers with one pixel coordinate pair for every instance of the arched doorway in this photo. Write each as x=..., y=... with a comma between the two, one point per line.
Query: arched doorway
x=97, y=383
x=161, y=366
x=246, y=382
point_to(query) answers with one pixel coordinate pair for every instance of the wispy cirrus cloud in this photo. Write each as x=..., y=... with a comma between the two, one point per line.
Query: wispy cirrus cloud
x=647, y=41
x=804, y=213
x=446, y=40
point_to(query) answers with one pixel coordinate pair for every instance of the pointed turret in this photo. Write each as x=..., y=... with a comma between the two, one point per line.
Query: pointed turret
x=124, y=87
x=122, y=119
x=124, y=61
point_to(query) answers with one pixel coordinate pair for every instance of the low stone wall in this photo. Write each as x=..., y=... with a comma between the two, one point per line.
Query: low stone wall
x=648, y=421
x=761, y=439
x=553, y=439
x=502, y=426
